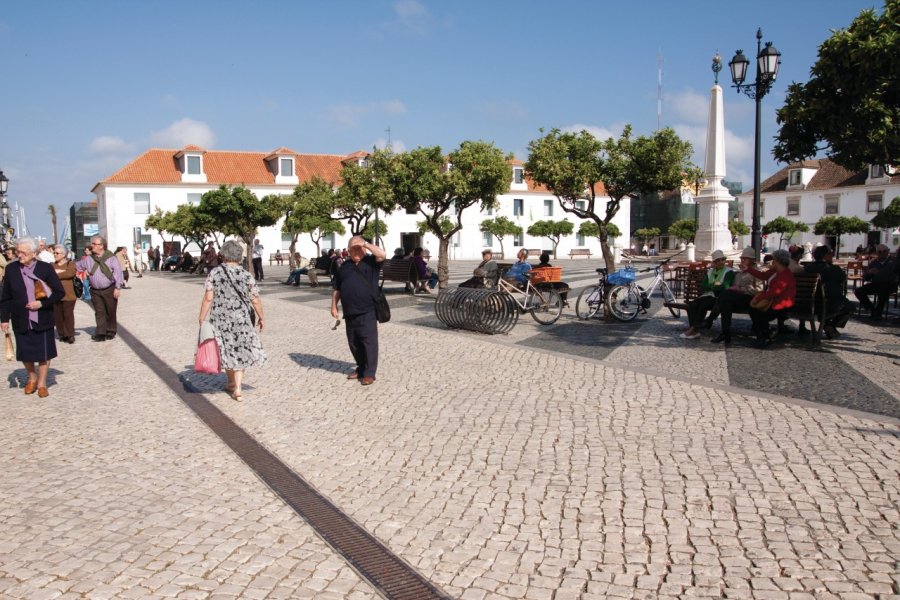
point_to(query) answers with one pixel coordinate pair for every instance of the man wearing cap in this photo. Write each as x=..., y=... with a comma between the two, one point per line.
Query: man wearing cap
x=738, y=296
x=718, y=278
x=485, y=274
x=837, y=308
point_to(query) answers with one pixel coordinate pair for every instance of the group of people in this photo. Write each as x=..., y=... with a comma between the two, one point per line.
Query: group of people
x=767, y=294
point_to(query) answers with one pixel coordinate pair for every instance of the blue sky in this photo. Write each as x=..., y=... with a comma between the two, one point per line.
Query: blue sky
x=89, y=85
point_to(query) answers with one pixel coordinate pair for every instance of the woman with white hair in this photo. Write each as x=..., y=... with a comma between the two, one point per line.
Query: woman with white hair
x=232, y=304
x=30, y=289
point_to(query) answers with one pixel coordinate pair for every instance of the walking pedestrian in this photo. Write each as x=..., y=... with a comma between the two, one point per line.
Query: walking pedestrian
x=30, y=289
x=125, y=264
x=257, y=260
x=232, y=303
x=106, y=280
x=353, y=287
x=64, y=310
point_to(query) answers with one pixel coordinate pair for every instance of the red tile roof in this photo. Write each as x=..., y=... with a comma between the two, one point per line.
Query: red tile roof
x=829, y=175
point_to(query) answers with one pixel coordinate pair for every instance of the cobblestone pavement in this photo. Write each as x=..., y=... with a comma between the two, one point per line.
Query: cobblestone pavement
x=536, y=465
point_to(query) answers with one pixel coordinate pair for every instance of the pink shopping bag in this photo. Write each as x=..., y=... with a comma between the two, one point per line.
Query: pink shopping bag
x=207, y=358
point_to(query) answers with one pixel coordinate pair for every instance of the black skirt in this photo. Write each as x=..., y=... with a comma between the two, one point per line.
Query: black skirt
x=35, y=346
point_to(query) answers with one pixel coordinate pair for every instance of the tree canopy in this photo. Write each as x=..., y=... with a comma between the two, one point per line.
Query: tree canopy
x=552, y=230
x=888, y=217
x=365, y=189
x=591, y=230
x=684, y=229
x=237, y=211
x=308, y=210
x=785, y=227
x=645, y=233
x=850, y=107
x=838, y=226
x=577, y=167
x=500, y=227
x=738, y=228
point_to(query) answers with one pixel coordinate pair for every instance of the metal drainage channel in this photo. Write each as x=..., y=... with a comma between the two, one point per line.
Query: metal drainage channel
x=380, y=567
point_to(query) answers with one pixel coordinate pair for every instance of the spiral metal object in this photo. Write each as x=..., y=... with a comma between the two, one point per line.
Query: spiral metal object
x=485, y=311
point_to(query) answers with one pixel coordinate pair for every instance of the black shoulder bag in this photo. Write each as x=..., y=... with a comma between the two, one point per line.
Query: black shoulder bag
x=382, y=308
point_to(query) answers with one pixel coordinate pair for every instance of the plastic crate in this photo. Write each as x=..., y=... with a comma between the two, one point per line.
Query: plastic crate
x=622, y=277
x=546, y=274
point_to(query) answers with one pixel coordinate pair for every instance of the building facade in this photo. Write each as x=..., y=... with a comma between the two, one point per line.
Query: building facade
x=809, y=190
x=166, y=179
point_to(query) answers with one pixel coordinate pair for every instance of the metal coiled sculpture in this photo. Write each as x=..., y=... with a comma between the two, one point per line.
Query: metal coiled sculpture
x=485, y=311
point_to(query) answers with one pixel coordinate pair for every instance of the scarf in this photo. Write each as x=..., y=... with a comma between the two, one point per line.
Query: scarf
x=30, y=281
x=101, y=262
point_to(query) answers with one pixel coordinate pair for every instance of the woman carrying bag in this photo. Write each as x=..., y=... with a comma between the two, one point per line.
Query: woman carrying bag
x=64, y=310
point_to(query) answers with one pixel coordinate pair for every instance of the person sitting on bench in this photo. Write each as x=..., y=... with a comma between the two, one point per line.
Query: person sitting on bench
x=516, y=273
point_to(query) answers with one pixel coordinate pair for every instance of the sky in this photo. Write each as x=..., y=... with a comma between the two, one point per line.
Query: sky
x=88, y=85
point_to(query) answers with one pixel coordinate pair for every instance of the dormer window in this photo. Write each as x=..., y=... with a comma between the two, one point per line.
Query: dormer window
x=194, y=164
x=518, y=175
x=795, y=177
x=286, y=167
x=876, y=171
x=282, y=164
x=190, y=163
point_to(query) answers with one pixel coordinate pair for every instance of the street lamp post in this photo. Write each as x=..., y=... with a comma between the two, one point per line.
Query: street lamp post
x=768, y=59
x=4, y=207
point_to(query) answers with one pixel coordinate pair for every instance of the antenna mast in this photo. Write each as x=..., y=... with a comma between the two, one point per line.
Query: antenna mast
x=659, y=88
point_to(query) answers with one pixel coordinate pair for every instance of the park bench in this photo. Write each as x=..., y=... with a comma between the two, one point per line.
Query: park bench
x=532, y=252
x=580, y=252
x=273, y=255
x=401, y=270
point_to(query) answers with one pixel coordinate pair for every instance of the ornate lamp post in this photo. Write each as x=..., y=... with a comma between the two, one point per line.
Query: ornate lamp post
x=4, y=207
x=768, y=60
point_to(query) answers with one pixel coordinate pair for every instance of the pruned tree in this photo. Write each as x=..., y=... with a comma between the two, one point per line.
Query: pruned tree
x=442, y=188
x=365, y=189
x=785, y=227
x=684, y=229
x=375, y=230
x=737, y=229
x=645, y=234
x=837, y=226
x=850, y=107
x=308, y=210
x=237, y=211
x=578, y=168
x=500, y=227
x=592, y=230
x=888, y=217
x=191, y=224
x=160, y=222
x=552, y=230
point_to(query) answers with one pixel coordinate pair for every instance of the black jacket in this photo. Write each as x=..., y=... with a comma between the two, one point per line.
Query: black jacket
x=14, y=297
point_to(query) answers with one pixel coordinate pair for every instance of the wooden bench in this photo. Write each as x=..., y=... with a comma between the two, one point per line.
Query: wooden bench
x=536, y=253
x=273, y=257
x=580, y=252
x=401, y=270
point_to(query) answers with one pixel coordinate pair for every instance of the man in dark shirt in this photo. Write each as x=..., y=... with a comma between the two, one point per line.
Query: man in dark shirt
x=837, y=308
x=881, y=280
x=354, y=286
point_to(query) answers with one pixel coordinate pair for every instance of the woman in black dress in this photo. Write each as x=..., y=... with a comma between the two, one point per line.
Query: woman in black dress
x=30, y=289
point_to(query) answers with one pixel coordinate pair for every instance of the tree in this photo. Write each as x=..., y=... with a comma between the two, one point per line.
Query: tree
x=365, y=189
x=737, y=229
x=684, y=229
x=577, y=167
x=591, y=229
x=500, y=227
x=52, y=209
x=850, y=106
x=644, y=234
x=191, y=224
x=441, y=189
x=237, y=211
x=375, y=230
x=785, y=227
x=308, y=210
x=553, y=230
x=160, y=222
x=888, y=218
x=838, y=226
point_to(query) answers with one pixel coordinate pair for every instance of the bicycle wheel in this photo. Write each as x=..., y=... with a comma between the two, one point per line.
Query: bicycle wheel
x=546, y=311
x=669, y=297
x=589, y=302
x=624, y=302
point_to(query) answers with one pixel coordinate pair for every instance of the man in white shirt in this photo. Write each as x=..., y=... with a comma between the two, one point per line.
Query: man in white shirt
x=44, y=254
x=257, y=260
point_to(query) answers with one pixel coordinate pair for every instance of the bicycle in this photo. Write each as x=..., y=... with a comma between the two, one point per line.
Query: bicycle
x=545, y=305
x=626, y=301
x=592, y=298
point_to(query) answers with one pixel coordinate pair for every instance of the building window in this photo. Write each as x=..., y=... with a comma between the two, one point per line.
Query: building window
x=876, y=171
x=194, y=199
x=517, y=240
x=287, y=167
x=193, y=165
x=762, y=208
x=518, y=207
x=487, y=239
x=795, y=177
x=286, y=241
x=141, y=203
x=832, y=204
x=518, y=175
x=548, y=208
x=874, y=201
x=581, y=204
x=327, y=241
x=579, y=239
x=793, y=206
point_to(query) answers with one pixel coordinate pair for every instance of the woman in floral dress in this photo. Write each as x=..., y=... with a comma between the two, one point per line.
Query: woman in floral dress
x=230, y=299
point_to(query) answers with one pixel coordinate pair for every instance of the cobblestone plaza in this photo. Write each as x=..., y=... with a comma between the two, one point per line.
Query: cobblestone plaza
x=581, y=460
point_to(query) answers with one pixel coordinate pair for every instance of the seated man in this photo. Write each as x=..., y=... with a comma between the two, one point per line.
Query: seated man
x=718, y=278
x=837, y=308
x=738, y=296
x=279, y=259
x=323, y=264
x=485, y=274
x=302, y=268
x=516, y=273
x=881, y=280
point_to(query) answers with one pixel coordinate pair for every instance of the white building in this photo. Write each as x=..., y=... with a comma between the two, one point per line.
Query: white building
x=166, y=179
x=811, y=189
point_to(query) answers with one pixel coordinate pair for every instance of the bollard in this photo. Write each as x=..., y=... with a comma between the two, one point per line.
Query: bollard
x=485, y=311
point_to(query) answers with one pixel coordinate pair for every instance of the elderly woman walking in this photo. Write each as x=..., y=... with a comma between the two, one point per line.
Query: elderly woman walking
x=231, y=303
x=30, y=289
x=64, y=310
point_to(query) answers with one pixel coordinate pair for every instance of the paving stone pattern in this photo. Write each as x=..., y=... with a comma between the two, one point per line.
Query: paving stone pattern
x=496, y=466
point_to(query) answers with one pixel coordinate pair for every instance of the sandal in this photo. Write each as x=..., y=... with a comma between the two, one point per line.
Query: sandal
x=235, y=395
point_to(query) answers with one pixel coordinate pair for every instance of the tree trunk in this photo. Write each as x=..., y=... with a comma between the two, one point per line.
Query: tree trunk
x=443, y=262
x=502, y=251
x=608, y=256
x=249, y=256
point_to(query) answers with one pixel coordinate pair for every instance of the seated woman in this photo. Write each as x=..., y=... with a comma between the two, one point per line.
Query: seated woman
x=559, y=286
x=738, y=296
x=718, y=278
x=516, y=273
x=776, y=299
x=427, y=278
x=485, y=274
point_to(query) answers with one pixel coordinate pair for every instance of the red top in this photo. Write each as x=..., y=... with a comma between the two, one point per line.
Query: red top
x=782, y=287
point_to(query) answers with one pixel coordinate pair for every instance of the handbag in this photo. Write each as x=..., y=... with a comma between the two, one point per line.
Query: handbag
x=78, y=284
x=207, y=358
x=10, y=351
x=39, y=292
x=382, y=308
x=241, y=296
x=761, y=304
